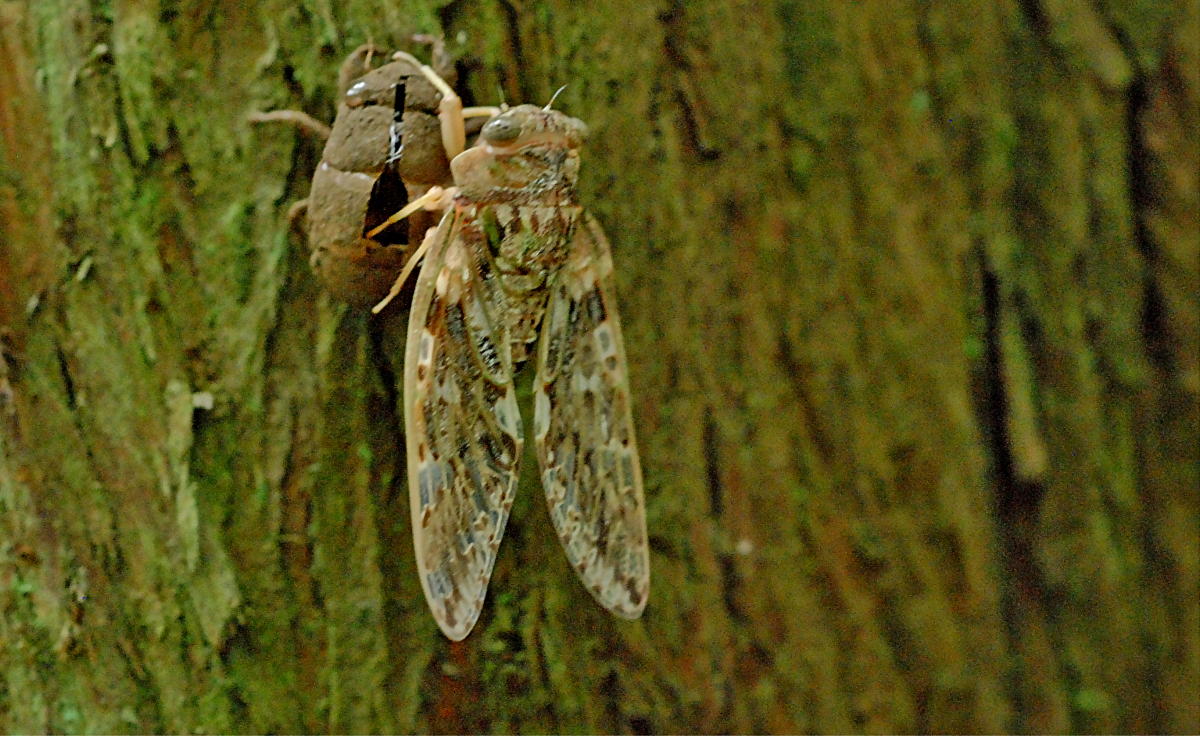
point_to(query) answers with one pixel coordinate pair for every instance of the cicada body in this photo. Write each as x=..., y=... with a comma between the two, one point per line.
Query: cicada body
x=517, y=269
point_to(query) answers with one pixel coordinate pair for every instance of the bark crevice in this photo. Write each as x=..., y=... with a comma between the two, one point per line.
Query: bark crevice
x=1016, y=503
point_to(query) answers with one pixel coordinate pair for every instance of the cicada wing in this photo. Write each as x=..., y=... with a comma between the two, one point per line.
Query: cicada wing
x=584, y=432
x=463, y=427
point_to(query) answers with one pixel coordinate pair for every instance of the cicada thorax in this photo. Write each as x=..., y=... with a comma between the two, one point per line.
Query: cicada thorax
x=527, y=240
x=372, y=165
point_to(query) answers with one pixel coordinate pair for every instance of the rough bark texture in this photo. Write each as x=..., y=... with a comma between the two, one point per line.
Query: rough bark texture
x=911, y=296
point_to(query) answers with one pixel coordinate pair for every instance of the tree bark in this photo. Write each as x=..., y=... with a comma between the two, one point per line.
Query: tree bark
x=911, y=293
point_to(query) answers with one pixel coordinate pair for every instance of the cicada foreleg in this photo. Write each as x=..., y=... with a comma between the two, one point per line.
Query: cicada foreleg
x=409, y=267
x=437, y=198
x=451, y=113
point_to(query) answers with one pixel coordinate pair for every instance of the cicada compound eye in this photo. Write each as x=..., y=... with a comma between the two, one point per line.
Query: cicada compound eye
x=501, y=130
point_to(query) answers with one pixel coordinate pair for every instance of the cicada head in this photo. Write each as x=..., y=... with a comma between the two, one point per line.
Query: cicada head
x=524, y=147
x=526, y=125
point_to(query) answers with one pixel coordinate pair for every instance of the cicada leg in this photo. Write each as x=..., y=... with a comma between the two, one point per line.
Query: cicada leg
x=409, y=268
x=437, y=198
x=451, y=113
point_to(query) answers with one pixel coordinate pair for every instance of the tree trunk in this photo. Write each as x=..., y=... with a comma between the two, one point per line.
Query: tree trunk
x=911, y=295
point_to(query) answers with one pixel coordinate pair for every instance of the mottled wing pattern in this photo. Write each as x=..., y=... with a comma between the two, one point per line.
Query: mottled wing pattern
x=584, y=430
x=463, y=428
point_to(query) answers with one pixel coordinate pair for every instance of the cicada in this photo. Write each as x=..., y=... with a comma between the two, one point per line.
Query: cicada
x=515, y=269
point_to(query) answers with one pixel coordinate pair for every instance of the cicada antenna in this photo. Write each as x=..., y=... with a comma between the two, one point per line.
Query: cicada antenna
x=554, y=97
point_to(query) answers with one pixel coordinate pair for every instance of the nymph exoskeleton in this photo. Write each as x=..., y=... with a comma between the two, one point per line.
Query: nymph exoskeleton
x=517, y=268
x=387, y=147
